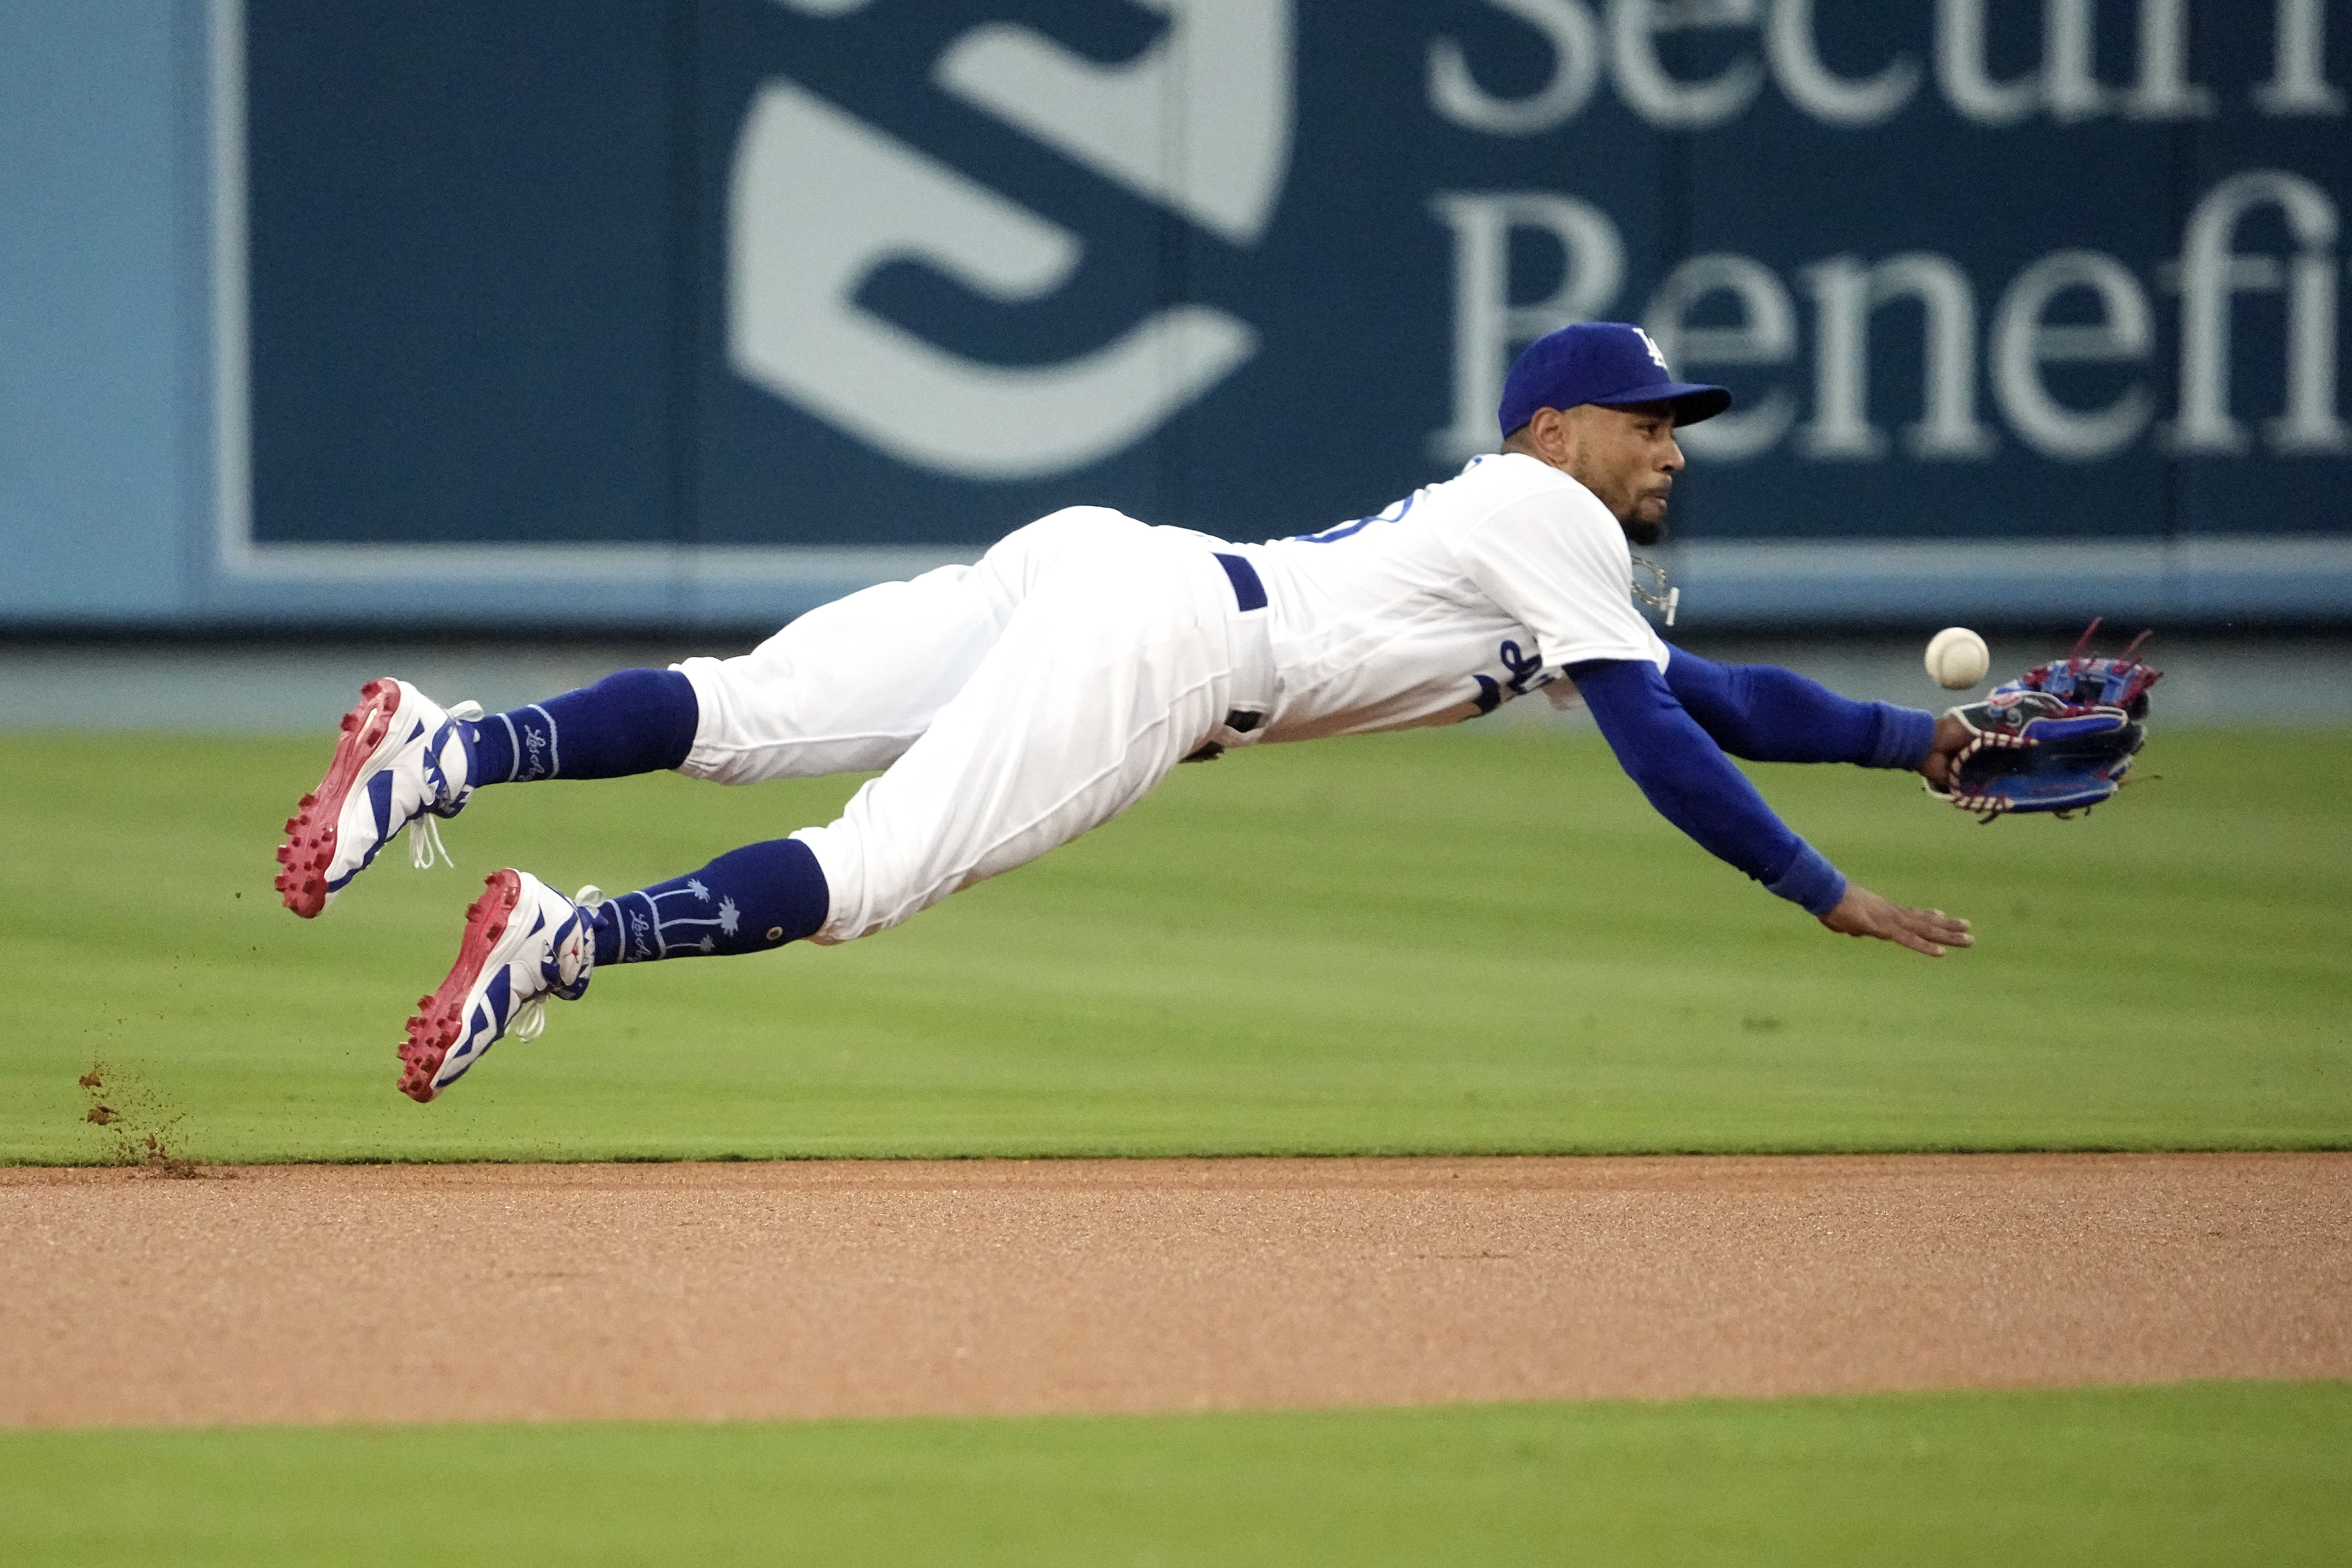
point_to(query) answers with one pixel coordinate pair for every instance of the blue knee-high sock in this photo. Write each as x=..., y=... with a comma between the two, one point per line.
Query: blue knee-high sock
x=638, y=721
x=747, y=901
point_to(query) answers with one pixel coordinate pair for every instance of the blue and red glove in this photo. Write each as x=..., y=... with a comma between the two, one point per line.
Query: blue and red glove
x=2060, y=738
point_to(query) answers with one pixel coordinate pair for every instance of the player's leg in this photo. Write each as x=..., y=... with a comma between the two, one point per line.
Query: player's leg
x=848, y=687
x=404, y=758
x=525, y=942
x=1110, y=674
x=842, y=689
x=1107, y=676
x=845, y=688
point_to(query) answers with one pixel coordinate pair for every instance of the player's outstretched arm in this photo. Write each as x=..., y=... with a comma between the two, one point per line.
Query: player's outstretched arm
x=1864, y=913
x=1768, y=714
x=1685, y=776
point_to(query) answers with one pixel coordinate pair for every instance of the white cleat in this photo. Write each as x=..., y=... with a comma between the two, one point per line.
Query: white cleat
x=524, y=943
x=400, y=760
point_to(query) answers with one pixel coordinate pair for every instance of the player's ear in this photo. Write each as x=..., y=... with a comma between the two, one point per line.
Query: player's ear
x=1549, y=436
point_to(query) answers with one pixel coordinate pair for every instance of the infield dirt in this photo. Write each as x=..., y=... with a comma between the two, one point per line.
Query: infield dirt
x=756, y=1291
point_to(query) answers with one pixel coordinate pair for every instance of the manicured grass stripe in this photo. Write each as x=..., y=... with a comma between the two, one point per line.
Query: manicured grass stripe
x=1426, y=942
x=2195, y=1474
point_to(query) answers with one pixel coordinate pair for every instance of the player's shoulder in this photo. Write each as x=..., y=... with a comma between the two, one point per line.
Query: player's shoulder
x=1523, y=487
x=1498, y=473
x=1497, y=480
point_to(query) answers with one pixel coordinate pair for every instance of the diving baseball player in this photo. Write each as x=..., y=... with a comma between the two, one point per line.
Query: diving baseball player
x=1014, y=704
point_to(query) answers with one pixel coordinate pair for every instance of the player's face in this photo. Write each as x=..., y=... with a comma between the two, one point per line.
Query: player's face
x=1628, y=457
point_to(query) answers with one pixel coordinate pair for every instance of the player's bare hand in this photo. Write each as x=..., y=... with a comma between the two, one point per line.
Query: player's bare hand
x=1864, y=913
x=1951, y=737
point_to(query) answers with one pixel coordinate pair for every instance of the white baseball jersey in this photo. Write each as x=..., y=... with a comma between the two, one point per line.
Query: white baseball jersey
x=1018, y=702
x=1453, y=600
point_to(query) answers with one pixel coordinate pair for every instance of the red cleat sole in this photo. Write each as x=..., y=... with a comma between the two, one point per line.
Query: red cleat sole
x=439, y=1017
x=309, y=846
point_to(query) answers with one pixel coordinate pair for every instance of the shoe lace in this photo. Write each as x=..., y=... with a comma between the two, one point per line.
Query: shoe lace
x=425, y=846
x=529, y=1018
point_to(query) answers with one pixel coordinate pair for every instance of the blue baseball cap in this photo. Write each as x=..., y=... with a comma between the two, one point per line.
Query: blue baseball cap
x=1609, y=362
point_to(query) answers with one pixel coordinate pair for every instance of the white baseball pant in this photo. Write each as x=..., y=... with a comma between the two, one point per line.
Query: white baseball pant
x=1014, y=704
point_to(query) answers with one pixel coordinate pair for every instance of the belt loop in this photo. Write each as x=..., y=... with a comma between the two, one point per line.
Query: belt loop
x=1248, y=645
x=1249, y=593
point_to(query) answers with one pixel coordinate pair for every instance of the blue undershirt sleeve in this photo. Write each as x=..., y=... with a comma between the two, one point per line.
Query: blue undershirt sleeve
x=1768, y=714
x=1684, y=774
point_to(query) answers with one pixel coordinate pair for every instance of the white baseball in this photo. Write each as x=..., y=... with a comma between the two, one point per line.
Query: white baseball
x=1957, y=658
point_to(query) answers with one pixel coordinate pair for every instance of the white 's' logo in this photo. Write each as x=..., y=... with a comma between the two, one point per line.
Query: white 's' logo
x=819, y=200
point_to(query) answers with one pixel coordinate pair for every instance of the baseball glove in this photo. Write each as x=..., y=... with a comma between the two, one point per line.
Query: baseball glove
x=2059, y=738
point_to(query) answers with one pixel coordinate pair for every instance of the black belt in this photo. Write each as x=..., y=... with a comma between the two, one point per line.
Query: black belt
x=1249, y=593
x=1238, y=720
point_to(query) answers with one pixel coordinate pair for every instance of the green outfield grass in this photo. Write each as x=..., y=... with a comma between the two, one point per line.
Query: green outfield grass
x=1422, y=942
x=2242, y=1473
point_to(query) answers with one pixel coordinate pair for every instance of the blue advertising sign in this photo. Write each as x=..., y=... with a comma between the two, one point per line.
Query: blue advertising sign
x=845, y=278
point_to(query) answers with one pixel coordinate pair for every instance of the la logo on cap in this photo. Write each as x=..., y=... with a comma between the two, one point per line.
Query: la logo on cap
x=1614, y=363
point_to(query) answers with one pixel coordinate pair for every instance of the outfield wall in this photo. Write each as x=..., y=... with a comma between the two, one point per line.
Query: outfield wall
x=691, y=314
